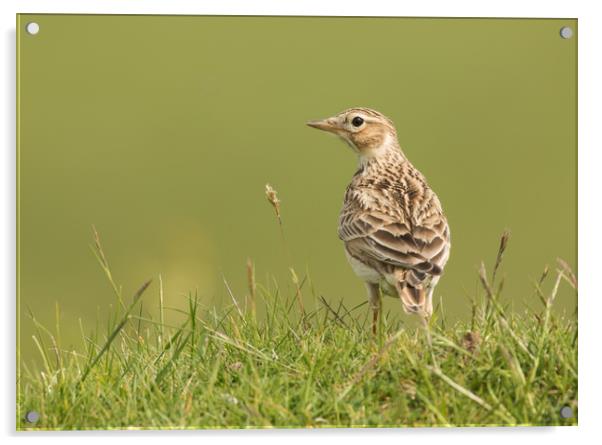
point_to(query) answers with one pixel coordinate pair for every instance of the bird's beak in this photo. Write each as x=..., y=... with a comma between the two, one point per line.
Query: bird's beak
x=329, y=124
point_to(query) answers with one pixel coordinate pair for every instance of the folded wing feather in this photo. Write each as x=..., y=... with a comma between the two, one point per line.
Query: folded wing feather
x=418, y=241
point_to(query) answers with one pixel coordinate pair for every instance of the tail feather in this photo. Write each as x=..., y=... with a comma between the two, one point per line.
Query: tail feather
x=413, y=299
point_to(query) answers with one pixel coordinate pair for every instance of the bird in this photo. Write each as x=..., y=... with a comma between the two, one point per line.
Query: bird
x=395, y=234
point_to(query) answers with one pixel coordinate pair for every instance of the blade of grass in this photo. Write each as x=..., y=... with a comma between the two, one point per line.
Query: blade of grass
x=116, y=331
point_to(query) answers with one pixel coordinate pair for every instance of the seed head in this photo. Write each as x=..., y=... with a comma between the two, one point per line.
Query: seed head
x=272, y=196
x=471, y=341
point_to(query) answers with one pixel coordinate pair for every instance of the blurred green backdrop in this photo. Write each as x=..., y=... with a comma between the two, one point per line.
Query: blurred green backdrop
x=163, y=130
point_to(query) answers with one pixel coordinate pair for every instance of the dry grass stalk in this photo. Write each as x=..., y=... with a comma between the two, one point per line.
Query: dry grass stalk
x=236, y=305
x=492, y=301
x=500, y=253
x=98, y=246
x=567, y=273
x=272, y=197
x=104, y=264
x=484, y=281
x=472, y=396
x=298, y=294
x=337, y=317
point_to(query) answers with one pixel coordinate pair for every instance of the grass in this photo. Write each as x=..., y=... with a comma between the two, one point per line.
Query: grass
x=307, y=366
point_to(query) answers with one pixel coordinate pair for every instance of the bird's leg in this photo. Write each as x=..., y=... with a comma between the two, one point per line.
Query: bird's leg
x=374, y=301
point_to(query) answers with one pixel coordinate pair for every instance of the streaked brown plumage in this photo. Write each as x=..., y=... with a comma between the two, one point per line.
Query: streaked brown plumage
x=395, y=233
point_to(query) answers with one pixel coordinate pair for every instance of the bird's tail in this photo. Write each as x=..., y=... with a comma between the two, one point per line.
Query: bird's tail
x=413, y=299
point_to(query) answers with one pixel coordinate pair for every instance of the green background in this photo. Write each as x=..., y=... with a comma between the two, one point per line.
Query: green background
x=163, y=130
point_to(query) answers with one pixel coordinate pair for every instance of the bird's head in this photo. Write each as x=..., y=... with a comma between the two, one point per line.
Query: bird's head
x=367, y=131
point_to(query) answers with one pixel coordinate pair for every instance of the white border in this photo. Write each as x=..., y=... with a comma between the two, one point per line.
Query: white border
x=508, y=8
x=590, y=201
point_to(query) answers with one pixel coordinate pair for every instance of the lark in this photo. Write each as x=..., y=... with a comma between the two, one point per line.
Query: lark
x=395, y=234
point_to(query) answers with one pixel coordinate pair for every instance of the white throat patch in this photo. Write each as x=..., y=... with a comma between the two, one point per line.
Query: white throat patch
x=375, y=152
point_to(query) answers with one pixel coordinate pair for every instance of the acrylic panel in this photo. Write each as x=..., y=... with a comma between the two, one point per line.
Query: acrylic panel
x=193, y=254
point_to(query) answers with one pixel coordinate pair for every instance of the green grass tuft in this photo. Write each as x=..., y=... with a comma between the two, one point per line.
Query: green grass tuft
x=296, y=367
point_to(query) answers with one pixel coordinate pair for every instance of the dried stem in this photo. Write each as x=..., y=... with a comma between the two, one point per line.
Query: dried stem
x=298, y=294
x=500, y=254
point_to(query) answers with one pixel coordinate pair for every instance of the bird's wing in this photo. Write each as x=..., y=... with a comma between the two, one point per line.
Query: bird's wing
x=409, y=231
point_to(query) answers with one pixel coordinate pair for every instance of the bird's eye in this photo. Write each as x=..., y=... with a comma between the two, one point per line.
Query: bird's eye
x=357, y=121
